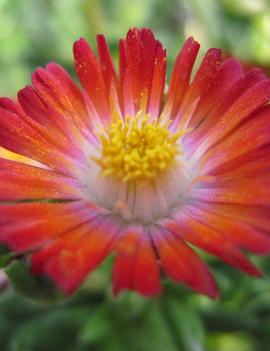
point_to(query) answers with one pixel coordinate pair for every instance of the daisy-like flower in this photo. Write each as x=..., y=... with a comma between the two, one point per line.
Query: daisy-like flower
x=130, y=167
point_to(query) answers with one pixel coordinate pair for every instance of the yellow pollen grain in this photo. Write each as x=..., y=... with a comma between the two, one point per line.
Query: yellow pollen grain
x=137, y=149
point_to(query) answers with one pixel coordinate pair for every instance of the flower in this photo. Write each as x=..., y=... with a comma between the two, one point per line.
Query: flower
x=133, y=168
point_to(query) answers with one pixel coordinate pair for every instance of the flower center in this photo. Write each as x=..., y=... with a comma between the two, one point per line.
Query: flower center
x=137, y=149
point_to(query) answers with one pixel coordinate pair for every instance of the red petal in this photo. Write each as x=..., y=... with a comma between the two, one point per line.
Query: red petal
x=211, y=241
x=237, y=232
x=124, y=263
x=182, y=264
x=142, y=70
x=254, y=191
x=251, y=135
x=257, y=216
x=90, y=75
x=158, y=83
x=35, y=108
x=27, y=226
x=135, y=265
x=106, y=63
x=22, y=135
x=255, y=162
x=205, y=74
x=252, y=100
x=69, y=259
x=229, y=72
x=225, y=101
x=204, y=78
x=181, y=76
x=20, y=181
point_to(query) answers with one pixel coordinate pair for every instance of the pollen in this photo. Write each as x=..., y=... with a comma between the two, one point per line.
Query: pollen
x=137, y=149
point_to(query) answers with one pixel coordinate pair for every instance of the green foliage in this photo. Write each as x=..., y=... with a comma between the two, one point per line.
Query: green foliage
x=185, y=323
x=5, y=256
x=34, y=32
x=27, y=285
x=177, y=320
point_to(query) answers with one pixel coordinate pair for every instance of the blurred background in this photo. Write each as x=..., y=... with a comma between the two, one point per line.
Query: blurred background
x=33, y=32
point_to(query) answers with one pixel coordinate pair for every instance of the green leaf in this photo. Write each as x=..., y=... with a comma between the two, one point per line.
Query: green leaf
x=109, y=329
x=97, y=326
x=55, y=331
x=5, y=256
x=5, y=259
x=151, y=331
x=28, y=285
x=6, y=326
x=185, y=324
x=4, y=249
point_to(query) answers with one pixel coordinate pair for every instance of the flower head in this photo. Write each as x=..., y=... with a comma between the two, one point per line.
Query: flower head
x=125, y=166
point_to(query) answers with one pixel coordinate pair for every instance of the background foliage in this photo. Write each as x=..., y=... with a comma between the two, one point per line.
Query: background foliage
x=33, y=32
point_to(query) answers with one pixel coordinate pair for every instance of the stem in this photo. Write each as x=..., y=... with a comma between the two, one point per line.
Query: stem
x=169, y=321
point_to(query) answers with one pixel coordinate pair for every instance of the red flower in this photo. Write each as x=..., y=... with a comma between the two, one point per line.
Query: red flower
x=130, y=169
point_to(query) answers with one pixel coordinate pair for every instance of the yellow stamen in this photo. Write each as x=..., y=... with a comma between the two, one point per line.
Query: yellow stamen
x=137, y=149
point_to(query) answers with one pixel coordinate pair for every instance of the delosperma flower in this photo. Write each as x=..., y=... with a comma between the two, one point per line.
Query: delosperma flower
x=127, y=166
